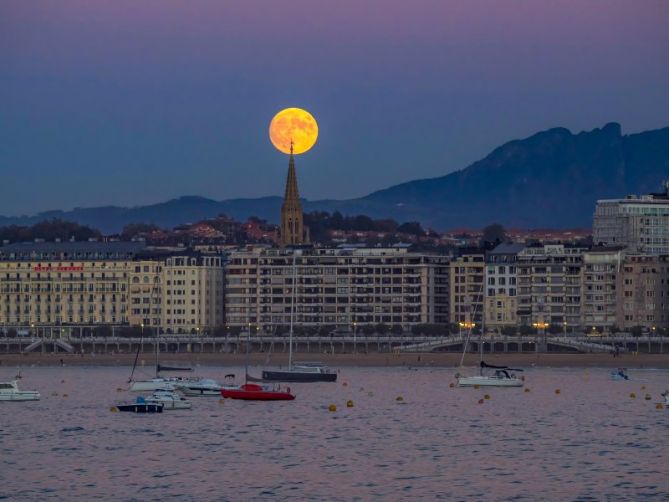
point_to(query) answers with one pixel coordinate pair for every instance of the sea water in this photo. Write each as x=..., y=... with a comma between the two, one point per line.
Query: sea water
x=407, y=436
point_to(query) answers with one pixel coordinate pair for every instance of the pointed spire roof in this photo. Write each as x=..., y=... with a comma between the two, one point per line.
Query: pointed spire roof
x=292, y=193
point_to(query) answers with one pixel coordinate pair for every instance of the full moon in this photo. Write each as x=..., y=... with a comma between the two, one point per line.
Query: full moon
x=293, y=124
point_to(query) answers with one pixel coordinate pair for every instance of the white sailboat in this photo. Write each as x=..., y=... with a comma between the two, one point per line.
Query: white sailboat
x=489, y=375
x=159, y=382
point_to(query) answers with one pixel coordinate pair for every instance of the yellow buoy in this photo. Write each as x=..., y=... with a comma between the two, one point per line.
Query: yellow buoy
x=344, y=384
x=557, y=391
x=349, y=404
x=647, y=397
x=65, y=395
x=487, y=396
x=119, y=389
x=632, y=395
x=480, y=401
x=332, y=407
x=526, y=389
x=658, y=406
x=451, y=385
x=113, y=409
x=399, y=398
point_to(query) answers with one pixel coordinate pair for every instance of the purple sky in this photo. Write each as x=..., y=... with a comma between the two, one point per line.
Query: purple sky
x=133, y=102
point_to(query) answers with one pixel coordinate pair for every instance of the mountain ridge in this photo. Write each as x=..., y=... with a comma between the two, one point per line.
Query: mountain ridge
x=549, y=179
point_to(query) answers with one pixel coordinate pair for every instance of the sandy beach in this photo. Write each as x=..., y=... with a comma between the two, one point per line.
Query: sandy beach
x=659, y=361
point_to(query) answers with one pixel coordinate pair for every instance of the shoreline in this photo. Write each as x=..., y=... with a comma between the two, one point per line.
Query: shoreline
x=428, y=359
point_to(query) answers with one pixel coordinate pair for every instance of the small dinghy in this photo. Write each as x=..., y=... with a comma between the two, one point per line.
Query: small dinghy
x=139, y=406
x=620, y=374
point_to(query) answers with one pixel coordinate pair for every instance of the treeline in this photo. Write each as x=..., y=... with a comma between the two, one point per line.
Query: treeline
x=321, y=222
x=49, y=230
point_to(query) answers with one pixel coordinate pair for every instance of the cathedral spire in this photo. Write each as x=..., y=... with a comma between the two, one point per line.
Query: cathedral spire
x=292, y=225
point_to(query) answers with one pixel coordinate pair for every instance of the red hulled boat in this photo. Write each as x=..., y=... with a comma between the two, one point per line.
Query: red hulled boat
x=255, y=392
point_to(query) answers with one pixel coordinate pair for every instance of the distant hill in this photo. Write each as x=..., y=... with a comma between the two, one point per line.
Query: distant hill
x=551, y=179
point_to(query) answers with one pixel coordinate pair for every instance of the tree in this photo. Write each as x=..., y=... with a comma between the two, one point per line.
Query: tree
x=411, y=227
x=525, y=330
x=509, y=330
x=636, y=331
x=134, y=229
x=555, y=329
x=102, y=331
x=396, y=329
x=493, y=234
x=368, y=329
x=381, y=328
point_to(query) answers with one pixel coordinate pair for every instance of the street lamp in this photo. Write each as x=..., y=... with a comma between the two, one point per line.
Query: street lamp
x=355, y=335
x=541, y=326
x=564, y=328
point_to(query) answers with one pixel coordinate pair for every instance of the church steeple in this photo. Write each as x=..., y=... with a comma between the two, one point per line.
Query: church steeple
x=292, y=223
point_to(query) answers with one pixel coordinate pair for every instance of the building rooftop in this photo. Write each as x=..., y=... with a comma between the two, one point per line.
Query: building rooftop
x=91, y=250
x=508, y=248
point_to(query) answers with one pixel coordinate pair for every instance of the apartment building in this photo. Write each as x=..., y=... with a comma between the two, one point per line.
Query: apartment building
x=111, y=283
x=467, y=274
x=639, y=224
x=549, y=285
x=192, y=295
x=600, y=270
x=643, y=292
x=346, y=287
x=501, y=290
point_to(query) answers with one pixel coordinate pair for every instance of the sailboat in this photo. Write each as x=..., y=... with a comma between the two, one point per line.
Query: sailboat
x=489, y=375
x=298, y=372
x=159, y=382
x=254, y=391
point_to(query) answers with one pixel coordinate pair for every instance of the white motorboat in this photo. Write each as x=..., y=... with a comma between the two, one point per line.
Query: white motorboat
x=9, y=391
x=169, y=399
x=201, y=387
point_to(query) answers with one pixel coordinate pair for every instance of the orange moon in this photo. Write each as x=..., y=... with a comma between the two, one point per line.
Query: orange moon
x=293, y=124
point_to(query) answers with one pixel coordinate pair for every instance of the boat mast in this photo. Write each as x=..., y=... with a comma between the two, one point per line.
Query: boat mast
x=292, y=314
x=246, y=367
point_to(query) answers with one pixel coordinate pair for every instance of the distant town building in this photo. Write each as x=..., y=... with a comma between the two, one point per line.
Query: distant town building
x=639, y=224
x=346, y=288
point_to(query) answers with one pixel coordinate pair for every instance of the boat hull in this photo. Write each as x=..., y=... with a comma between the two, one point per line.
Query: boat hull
x=200, y=391
x=483, y=381
x=140, y=408
x=24, y=395
x=298, y=376
x=151, y=385
x=253, y=392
